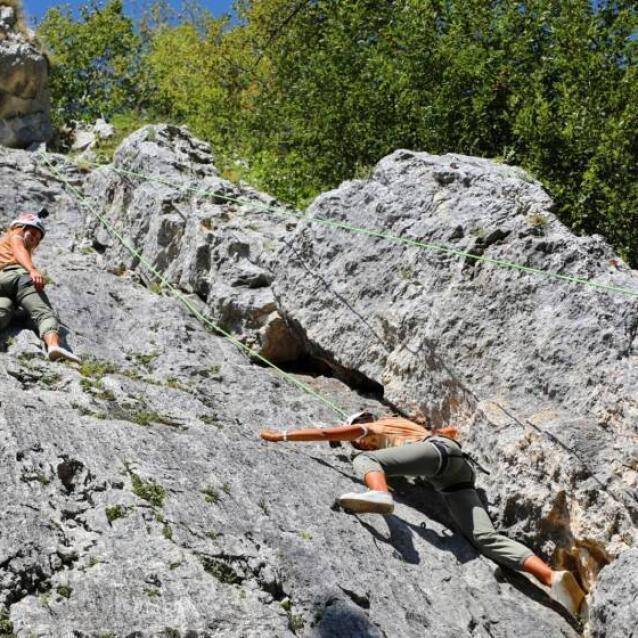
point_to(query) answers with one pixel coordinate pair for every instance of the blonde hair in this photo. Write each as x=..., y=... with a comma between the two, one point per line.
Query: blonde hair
x=450, y=431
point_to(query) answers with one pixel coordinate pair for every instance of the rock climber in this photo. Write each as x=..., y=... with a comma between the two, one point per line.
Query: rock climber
x=395, y=446
x=22, y=284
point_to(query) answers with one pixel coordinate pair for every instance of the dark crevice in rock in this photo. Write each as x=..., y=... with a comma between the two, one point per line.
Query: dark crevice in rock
x=222, y=568
x=357, y=599
x=632, y=333
x=67, y=471
x=235, y=570
x=480, y=245
x=23, y=577
x=98, y=247
x=318, y=366
x=29, y=581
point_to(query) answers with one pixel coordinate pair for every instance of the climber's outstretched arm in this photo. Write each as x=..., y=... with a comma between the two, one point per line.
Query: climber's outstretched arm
x=338, y=433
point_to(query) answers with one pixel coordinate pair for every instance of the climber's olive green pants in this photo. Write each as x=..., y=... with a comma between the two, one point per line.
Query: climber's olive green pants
x=424, y=459
x=17, y=289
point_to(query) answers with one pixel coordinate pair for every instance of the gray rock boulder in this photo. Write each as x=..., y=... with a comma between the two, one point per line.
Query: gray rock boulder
x=540, y=374
x=103, y=129
x=611, y=616
x=86, y=136
x=207, y=235
x=24, y=97
x=137, y=498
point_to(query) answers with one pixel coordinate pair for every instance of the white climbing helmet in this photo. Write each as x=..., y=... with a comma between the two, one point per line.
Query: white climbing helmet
x=360, y=417
x=33, y=220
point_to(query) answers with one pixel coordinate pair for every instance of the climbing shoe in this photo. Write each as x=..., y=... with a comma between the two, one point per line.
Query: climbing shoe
x=55, y=353
x=372, y=501
x=566, y=590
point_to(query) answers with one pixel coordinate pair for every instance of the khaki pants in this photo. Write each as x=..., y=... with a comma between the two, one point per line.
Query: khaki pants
x=424, y=459
x=17, y=289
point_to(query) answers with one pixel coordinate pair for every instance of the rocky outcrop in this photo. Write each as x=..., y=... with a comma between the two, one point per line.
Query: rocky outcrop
x=541, y=374
x=207, y=235
x=137, y=497
x=611, y=616
x=87, y=136
x=24, y=98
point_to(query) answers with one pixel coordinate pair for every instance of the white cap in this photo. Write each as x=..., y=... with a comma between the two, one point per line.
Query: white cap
x=32, y=220
x=354, y=418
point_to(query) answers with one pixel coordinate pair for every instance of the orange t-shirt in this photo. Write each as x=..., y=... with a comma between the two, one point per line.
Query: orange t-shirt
x=7, y=256
x=392, y=431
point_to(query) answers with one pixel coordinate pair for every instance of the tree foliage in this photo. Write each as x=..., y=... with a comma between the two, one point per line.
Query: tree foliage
x=312, y=92
x=96, y=61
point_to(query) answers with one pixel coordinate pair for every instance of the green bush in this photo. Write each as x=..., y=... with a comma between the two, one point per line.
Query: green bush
x=97, y=61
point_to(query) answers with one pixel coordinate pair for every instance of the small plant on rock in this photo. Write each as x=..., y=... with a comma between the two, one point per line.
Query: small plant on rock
x=64, y=590
x=220, y=570
x=537, y=220
x=6, y=626
x=113, y=512
x=149, y=490
x=211, y=495
x=144, y=417
x=155, y=287
x=97, y=369
x=145, y=358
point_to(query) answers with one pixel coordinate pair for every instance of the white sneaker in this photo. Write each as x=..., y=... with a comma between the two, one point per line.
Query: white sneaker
x=57, y=352
x=566, y=590
x=372, y=501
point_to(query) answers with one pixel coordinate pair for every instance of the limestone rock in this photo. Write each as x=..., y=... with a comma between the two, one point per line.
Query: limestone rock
x=611, y=616
x=103, y=129
x=83, y=139
x=137, y=498
x=24, y=98
x=540, y=374
x=213, y=238
x=86, y=136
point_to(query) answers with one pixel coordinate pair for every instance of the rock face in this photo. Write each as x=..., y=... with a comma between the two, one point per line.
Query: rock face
x=24, y=98
x=137, y=498
x=611, y=616
x=207, y=235
x=541, y=374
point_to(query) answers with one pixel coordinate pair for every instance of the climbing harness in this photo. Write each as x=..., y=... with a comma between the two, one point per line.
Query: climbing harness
x=445, y=454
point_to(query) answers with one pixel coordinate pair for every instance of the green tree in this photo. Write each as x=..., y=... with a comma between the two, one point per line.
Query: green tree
x=96, y=61
x=311, y=92
x=548, y=85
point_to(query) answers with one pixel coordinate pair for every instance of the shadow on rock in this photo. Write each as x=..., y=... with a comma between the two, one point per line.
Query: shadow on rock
x=341, y=619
